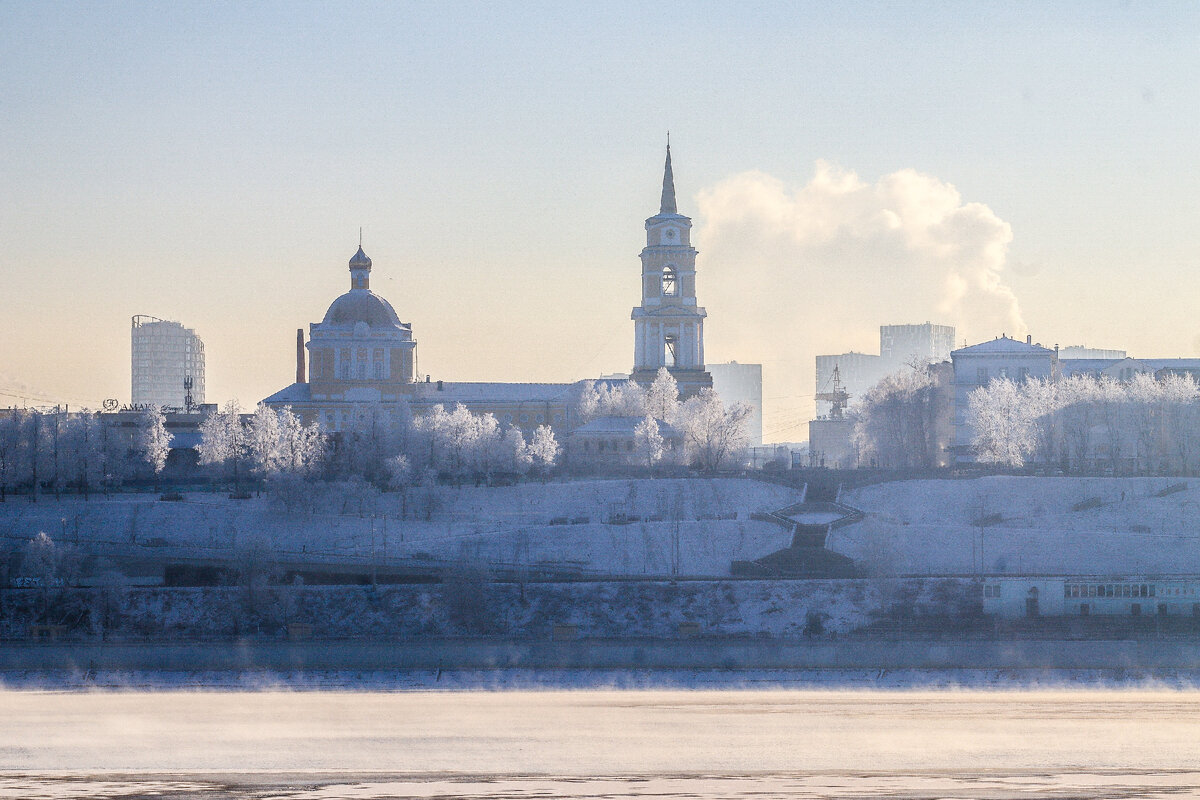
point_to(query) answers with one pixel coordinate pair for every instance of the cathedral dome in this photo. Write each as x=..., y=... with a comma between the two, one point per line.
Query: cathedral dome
x=361, y=305
x=360, y=259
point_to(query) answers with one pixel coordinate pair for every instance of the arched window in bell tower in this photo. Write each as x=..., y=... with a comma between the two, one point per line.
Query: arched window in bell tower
x=670, y=282
x=671, y=350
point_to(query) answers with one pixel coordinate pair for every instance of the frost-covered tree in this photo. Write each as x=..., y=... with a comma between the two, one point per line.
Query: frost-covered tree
x=1002, y=422
x=662, y=398
x=37, y=440
x=543, y=449
x=400, y=478
x=264, y=442
x=587, y=402
x=451, y=437
x=153, y=438
x=41, y=559
x=52, y=451
x=1078, y=411
x=16, y=443
x=648, y=441
x=362, y=445
x=223, y=441
x=489, y=453
x=1086, y=421
x=894, y=421
x=1181, y=421
x=625, y=399
x=82, y=445
x=715, y=436
x=516, y=451
x=302, y=448
x=51, y=563
x=1045, y=401
x=1112, y=405
x=1145, y=419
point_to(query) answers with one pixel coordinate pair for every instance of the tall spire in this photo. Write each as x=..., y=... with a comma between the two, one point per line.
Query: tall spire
x=668, y=195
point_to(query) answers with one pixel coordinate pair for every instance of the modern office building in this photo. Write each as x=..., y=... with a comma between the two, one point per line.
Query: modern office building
x=167, y=364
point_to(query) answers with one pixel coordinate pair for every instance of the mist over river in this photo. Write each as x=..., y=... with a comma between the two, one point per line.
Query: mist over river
x=606, y=743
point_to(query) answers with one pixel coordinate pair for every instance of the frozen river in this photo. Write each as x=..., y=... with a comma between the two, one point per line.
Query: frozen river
x=590, y=744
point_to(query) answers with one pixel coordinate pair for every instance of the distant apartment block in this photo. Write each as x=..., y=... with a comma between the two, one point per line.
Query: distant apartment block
x=927, y=343
x=167, y=363
x=741, y=383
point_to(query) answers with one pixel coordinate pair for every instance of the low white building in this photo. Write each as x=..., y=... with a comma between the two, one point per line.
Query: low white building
x=1083, y=595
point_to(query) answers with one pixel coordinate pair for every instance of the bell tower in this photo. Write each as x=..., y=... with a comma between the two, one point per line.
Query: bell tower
x=668, y=326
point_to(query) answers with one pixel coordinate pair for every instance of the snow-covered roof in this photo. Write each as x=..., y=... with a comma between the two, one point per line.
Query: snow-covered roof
x=1002, y=345
x=296, y=393
x=492, y=392
x=620, y=426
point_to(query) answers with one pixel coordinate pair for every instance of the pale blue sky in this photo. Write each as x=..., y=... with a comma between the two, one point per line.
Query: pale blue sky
x=213, y=162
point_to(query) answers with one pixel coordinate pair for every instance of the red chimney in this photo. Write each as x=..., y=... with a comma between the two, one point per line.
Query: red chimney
x=300, y=355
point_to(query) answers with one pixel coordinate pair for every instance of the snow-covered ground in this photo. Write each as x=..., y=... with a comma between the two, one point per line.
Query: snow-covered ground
x=580, y=524
x=1025, y=525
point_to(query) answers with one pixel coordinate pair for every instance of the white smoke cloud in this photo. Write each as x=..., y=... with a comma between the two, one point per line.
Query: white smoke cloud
x=787, y=273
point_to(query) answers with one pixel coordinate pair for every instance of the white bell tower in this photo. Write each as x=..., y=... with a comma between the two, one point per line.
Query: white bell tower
x=668, y=325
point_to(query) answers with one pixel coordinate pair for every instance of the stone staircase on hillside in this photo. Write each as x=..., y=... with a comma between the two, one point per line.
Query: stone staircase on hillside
x=807, y=555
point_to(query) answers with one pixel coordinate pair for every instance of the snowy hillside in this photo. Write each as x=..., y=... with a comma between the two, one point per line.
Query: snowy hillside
x=1033, y=525
x=626, y=527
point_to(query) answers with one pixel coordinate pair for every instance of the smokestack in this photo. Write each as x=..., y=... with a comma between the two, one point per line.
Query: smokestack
x=1029, y=338
x=300, y=355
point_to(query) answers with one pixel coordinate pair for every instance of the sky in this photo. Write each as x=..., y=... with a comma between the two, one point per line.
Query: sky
x=1001, y=167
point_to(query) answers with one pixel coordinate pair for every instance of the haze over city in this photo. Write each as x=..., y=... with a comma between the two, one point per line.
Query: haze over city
x=999, y=168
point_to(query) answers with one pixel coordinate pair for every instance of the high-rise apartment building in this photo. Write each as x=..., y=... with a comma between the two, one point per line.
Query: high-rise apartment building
x=167, y=363
x=901, y=344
